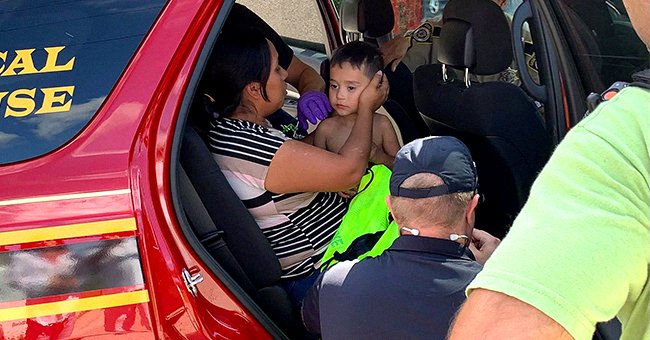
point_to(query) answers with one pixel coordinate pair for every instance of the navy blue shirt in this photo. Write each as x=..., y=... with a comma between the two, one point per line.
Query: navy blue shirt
x=412, y=290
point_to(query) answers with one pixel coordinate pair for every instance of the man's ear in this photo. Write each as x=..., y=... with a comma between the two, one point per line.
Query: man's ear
x=390, y=206
x=253, y=90
x=470, y=211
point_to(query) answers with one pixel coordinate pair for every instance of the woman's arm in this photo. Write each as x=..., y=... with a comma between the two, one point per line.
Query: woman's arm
x=299, y=167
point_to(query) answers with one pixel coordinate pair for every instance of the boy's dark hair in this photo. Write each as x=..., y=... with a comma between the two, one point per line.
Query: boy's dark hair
x=240, y=58
x=359, y=54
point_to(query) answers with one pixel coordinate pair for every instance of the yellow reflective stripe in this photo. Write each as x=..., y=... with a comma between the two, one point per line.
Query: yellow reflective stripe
x=67, y=231
x=40, y=199
x=77, y=305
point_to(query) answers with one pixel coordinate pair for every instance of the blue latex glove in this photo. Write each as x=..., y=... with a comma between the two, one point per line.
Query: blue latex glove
x=313, y=106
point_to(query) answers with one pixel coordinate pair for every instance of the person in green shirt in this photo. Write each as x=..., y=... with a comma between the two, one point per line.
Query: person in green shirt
x=579, y=251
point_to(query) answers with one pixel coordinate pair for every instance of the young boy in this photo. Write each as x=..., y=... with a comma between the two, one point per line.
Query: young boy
x=351, y=69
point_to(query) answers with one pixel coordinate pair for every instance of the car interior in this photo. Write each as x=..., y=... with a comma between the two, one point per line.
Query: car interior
x=508, y=140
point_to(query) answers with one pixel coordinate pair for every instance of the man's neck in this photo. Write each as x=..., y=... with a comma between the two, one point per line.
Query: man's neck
x=434, y=231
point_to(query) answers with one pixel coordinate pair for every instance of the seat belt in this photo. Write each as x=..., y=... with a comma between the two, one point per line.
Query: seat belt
x=210, y=236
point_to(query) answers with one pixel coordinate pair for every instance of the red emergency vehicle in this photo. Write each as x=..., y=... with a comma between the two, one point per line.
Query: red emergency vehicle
x=96, y=239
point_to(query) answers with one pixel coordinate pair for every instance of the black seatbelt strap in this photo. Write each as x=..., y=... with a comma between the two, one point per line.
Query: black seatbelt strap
x=204, y=227
x=209, y=234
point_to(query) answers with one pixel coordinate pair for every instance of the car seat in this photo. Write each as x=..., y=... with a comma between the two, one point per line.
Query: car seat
x=229, y=232
x=496, y=120
x=372, y=21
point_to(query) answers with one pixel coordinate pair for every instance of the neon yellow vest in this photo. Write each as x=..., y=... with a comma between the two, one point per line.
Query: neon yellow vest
x=366, y=229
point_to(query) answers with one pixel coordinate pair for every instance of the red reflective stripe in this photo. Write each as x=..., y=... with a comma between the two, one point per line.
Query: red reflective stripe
x=567, y=118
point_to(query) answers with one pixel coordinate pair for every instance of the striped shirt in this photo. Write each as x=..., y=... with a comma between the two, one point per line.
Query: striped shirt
x=299, y=226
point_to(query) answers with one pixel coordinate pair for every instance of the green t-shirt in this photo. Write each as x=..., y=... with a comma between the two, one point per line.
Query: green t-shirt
x=580, y=249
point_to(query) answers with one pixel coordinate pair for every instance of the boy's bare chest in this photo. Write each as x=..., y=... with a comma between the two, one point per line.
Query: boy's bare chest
x=343, y=132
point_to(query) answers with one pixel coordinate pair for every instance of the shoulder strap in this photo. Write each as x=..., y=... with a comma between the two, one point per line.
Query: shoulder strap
x=209, y=234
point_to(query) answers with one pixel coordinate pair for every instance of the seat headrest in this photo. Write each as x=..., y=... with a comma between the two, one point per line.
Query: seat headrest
x=475, y=34
x=373, y=18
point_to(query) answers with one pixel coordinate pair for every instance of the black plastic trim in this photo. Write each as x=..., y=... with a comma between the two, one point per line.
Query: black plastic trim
x=523, y=13
x=564, y=65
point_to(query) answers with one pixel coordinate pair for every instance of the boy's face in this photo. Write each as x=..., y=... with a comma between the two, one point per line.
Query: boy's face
x=346, y=84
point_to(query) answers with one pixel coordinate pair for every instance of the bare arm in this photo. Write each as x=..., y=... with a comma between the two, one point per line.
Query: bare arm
x=303, y=77
x=389, y=141
x=394, y=50
x=321, y=133
x=309, y=139
x=389, y=145
x=299, y=167
x=378, y=156
x=491, y=315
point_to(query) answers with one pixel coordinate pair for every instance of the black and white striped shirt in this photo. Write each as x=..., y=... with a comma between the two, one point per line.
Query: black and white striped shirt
x=299, y=226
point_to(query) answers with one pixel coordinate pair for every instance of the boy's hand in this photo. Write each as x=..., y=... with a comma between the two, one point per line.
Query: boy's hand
x=375, y=94
x=347, y=194
x=313, y=106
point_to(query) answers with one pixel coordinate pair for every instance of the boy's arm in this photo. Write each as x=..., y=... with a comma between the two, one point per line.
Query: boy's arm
x=309, y=139
x=378, y=156
x=389, y=141
x=319, y=136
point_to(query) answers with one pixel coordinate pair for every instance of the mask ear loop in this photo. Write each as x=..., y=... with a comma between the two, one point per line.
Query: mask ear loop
x=465, y=238
x=412, y=231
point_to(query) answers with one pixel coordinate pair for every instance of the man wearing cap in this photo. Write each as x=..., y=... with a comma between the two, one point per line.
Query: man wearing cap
x=415, y=287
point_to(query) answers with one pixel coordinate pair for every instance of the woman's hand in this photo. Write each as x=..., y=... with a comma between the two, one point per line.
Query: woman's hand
x=374, y=95
x=313, y=106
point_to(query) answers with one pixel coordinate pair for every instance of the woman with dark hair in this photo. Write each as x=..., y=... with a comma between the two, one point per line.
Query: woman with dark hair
x=288, y=186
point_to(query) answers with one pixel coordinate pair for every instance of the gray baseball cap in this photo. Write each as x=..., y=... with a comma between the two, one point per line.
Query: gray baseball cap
x=444, y=156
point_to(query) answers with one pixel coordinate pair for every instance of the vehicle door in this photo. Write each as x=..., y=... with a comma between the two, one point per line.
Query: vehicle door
x=583, y=46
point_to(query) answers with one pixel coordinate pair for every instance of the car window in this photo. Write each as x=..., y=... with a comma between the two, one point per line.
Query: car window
x=58, y=62
x=300, y=25
x=299, y=21
x=409, y=14
x=602, y=41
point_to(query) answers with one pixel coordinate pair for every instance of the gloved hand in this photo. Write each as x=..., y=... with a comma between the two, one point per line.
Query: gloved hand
x=313, y=106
